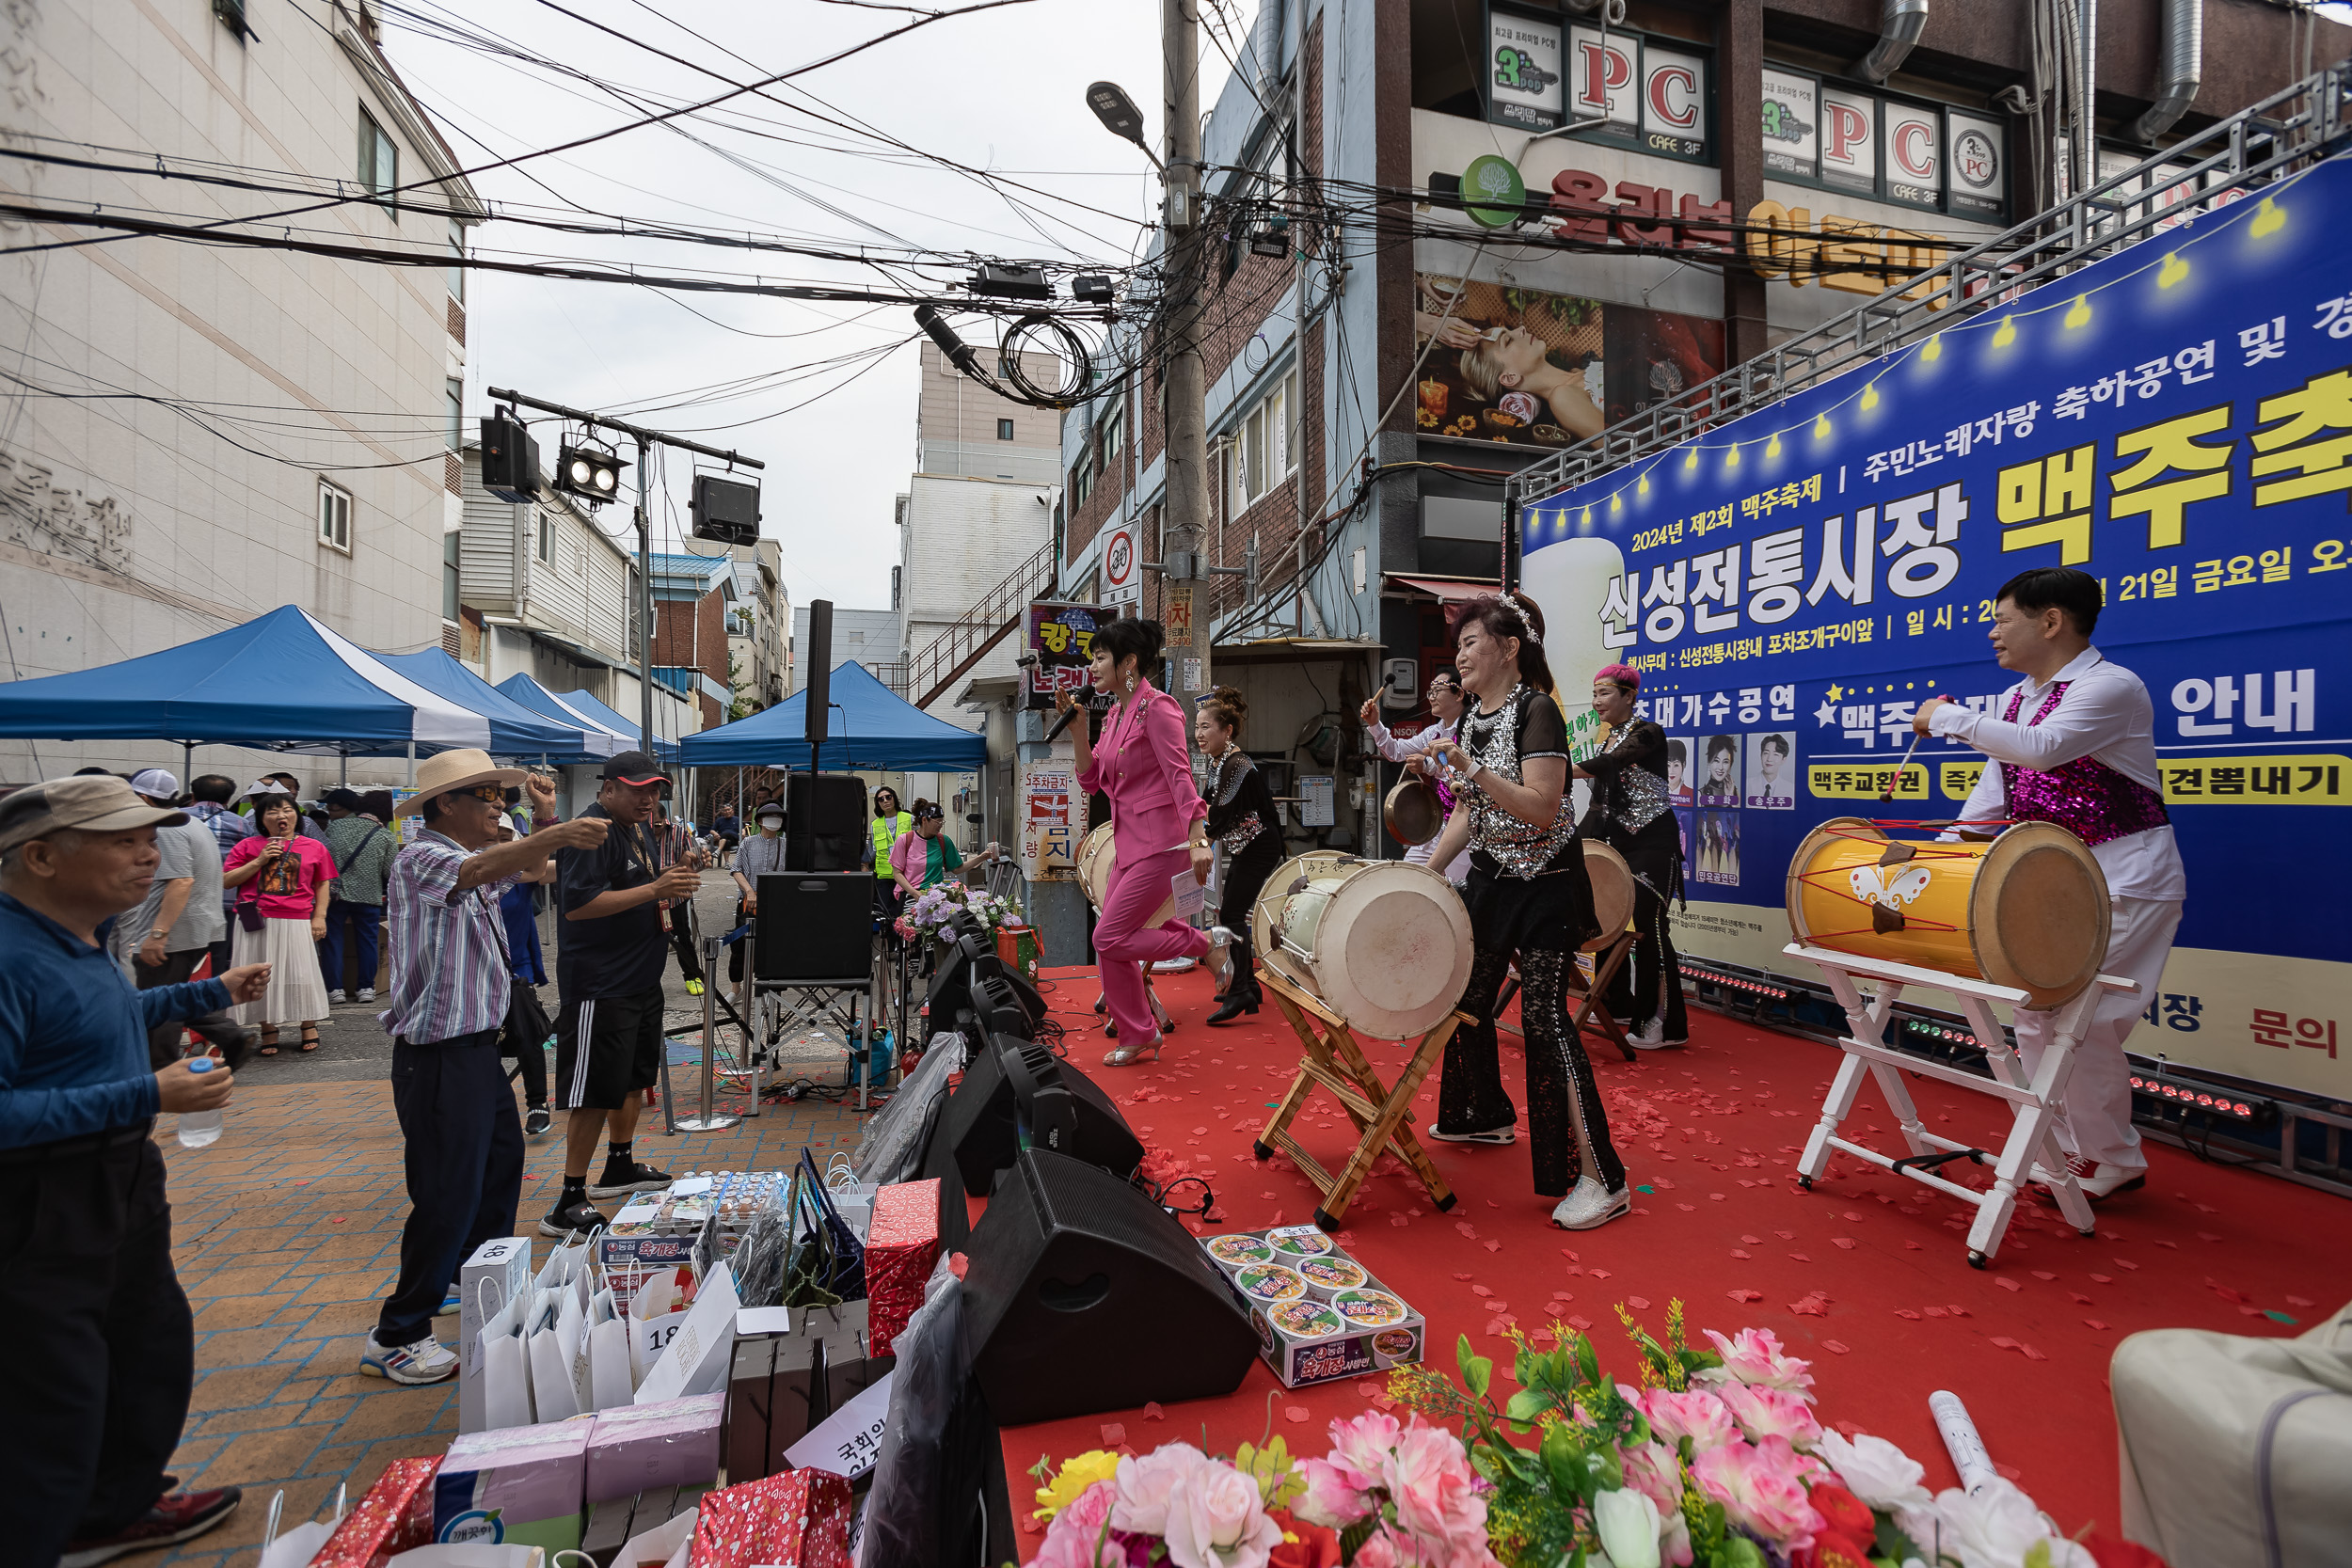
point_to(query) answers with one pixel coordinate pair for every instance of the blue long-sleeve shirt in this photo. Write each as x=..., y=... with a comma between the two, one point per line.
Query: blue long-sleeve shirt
x=73, y=1032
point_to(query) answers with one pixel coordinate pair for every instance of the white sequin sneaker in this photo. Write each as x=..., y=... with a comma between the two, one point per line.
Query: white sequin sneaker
x=1592, y=1205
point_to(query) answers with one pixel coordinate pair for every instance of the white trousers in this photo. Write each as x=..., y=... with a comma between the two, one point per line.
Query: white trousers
x=2096, y=1120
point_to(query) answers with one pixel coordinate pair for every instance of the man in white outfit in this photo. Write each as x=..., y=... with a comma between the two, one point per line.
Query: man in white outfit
x=2074, y=744
x=1445, y=701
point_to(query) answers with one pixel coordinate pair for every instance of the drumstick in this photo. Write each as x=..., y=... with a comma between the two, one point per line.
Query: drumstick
x=1888, y=798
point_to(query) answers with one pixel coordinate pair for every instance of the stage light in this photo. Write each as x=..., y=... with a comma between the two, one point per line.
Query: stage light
x=510, y=460
x=591, y=472
x=1762, y=991
x=2192, y=1093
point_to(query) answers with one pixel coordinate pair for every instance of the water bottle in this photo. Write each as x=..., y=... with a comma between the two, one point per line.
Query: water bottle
x=199, y=1129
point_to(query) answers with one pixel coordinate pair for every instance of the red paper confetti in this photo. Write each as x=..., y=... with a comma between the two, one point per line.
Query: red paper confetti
x=2298, y=1301
x=2093, y=1322
x=1598, y=1274
x=2207, y=1236
x=1850, y=1215
x=1741, y=1252
x=1798, y=1258
x=2125, y=1263
x=1465, y=1277
x=1906, y=1312
x=2078, y=1297
x=1151, y=1411
x=1834, y=1347
x=1914, y=1246
x=2044, y=1275
x=1745, y=1295
x=2006, y=1283
x=1491, y=1247
x=2103, y=1279
x=2002, y=1341
x=1935, y=1312
x=1637, y=1303
x=1467, y=1228
x=1717, y=1197
x=1752, y=1241
x=1579, y=1322
x=1294, y=1411
x=1114, y=1433
x=1845, y=1241
x=1475, y=1290
x=2031, y=1355
x=1814, y=1305
x=1957, y=1311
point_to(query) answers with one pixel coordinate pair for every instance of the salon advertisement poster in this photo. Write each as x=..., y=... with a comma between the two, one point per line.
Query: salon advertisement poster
x=2175, y=420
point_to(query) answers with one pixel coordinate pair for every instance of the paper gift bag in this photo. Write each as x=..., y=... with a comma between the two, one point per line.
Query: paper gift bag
x=699, y=1353
x=610, y=1380
x=551, y=1397
x=471, y=1557
x=506, y=1368
x=662, y=1546
x=653, y=1318
x=572, y=1337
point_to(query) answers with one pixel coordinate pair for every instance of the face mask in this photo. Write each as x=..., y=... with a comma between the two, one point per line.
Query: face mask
x=770, y=827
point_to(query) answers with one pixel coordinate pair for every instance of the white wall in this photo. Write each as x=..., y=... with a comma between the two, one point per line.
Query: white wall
x=962, y=537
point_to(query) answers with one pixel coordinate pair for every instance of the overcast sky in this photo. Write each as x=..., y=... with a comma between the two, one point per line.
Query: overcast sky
x=1001, y=90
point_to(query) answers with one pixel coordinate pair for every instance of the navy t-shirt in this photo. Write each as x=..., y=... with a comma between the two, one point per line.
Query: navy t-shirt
x=614, y=955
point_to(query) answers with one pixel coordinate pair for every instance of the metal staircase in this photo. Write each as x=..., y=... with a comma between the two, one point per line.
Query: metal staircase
x=930, y=671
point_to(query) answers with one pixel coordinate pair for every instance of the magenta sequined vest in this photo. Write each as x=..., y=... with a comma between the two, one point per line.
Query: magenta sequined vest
x=2087, y=797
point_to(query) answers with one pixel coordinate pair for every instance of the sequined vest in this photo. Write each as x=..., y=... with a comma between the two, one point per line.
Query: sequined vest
x=1516, y=848
x=2087, y=797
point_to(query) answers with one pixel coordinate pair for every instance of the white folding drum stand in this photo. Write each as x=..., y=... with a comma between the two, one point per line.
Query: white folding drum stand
x=2033, y=1103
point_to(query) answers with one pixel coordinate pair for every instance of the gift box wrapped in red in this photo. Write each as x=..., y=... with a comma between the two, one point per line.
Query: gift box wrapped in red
x=799, y=1519
x=395, y=1516
x=901, y=1247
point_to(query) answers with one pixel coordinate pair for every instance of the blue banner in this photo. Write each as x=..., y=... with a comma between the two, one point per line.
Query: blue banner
x=2175, y=420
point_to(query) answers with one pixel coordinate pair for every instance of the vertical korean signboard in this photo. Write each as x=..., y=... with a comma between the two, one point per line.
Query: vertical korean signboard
x=2175, y=420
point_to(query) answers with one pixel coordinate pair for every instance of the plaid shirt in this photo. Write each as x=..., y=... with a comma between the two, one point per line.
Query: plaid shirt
x=227, y=829
x=449, y=973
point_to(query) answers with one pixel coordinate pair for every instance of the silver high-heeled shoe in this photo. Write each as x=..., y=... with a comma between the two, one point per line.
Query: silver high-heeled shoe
x=1221, y=942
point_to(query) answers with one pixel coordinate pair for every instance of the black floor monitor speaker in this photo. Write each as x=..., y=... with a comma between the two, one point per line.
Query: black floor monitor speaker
x=824, y=821
x=1085, y=1296
x=979, y=1131
x=814, y=927
x=971, y=979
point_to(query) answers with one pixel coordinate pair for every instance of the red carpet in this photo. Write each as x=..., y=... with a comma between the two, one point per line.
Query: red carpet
x=1866, y=1275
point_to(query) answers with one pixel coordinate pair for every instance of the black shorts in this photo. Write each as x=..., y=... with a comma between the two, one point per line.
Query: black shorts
x=607, y=1048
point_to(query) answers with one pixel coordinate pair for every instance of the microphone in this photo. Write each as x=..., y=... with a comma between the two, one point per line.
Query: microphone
x=1093, y=704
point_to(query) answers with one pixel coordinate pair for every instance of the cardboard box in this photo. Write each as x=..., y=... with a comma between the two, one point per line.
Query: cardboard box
x=523, y=1485
x=638, y=1448
x=1309, y=1340
x=749, y=1387
x=498, y=1271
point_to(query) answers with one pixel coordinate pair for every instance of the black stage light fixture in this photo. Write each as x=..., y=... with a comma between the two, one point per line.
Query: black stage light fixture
x=725, y=510
x=1012, y=283
x=2192, y=1093
x=590, y=472
x=509, y=459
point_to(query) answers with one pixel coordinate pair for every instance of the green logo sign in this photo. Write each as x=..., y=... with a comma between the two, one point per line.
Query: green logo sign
x=1492, y=192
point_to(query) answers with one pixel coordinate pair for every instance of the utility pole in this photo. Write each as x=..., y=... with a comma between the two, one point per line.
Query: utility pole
x=1184, y=534
x=646, y=440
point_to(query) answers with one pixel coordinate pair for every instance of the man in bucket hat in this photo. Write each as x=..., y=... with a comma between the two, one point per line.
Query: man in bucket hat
x=97, y=1386
x=450, y=992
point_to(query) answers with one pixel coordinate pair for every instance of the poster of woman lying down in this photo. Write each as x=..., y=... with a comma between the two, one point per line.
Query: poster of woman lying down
x=1528, y=368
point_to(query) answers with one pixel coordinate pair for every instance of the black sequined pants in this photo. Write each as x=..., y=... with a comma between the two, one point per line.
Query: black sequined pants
x=1560, y=1086
x=1652, y=980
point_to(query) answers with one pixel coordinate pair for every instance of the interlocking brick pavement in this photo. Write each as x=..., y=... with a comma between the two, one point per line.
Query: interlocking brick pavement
x=287, y=1238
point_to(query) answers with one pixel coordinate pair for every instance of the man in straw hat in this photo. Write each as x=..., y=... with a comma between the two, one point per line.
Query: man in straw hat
x=449, y=991
x=96, y=1387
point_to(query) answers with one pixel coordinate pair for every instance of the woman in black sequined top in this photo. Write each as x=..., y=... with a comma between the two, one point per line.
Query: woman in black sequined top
x=1246, y=833
x=1630, y=813
x=1529, y=896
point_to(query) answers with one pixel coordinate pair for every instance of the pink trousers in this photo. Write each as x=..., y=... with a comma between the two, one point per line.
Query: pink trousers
x=1123, y=944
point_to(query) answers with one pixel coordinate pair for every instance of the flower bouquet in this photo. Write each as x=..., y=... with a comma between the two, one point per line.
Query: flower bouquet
x=1715, y=1460
x=927, y=914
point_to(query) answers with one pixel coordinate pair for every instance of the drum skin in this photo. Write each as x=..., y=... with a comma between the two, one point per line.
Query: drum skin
x=1411, y=814
x=2026, y=910
x=1097, y=856
x=1386, y=944
x=1613, y=893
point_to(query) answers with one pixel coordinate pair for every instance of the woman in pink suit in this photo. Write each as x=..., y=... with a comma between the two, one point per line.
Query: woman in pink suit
x=1159, y=822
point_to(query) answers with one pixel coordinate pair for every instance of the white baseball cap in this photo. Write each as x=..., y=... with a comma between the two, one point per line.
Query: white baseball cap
x=155, y=783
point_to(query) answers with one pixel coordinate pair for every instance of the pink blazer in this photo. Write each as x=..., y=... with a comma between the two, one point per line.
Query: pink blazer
x=1143, y=764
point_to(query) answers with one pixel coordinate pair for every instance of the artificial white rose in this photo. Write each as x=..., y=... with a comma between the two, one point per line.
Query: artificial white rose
x=1875, y=1470
x=1626, y=1522
x=2000, y=1527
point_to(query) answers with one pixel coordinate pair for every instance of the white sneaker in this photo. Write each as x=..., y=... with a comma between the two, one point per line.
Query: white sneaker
x=367, y=994
x=1592, y=1205
x=1508, y=1133
x=335, y=997
x=2095, y=1180
x=426, y=1361
x=1652, y=1036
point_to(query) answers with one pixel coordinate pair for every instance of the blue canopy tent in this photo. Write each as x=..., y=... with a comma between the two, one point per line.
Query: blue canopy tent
x=516, y=731
x=598, y=739
x=870, y=727
x=665, y=751
x=282, y=682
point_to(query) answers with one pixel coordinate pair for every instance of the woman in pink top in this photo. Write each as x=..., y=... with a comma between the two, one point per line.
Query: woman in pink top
x=281, y=877
x=1159, y=822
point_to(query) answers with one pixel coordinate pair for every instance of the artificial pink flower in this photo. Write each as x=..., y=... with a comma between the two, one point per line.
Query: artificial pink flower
x=1362, y=1443
x=1146, y=1486
x=1336, y=1496
x=1654, y=1470
x=1216, y=1519
x=1440, y=1508
x=1762, y=1487
x=1697, y=1414
x=1766, y=1411
x=1754, y=1357
x=1379, y=1551
x=1076, y=1538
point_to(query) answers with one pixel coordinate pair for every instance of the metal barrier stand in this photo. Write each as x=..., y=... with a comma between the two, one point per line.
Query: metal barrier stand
x=711, y=1121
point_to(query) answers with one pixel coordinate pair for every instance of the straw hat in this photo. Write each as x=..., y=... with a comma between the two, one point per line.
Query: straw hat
x=460, y=769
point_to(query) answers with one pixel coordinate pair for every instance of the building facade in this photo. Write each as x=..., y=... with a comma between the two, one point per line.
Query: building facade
x=694, y=600
x=205, y=432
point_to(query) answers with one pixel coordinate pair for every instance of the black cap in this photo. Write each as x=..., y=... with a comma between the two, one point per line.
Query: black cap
x=347, y=799
x=635, y=768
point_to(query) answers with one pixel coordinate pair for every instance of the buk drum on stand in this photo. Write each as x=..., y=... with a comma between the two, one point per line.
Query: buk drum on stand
x=1385, y=945
x=1613, y=894
x=2027, y=908
x=1097, y=856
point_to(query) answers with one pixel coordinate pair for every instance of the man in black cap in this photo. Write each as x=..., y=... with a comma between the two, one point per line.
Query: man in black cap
x=103, y=1351
x=610, y=944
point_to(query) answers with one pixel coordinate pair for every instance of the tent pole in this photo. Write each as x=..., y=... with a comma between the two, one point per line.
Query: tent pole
x=187, y=762
x=343, y=776
x=412, y=762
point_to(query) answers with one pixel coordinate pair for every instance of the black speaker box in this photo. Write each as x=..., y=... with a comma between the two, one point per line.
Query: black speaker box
x=1085, y=1296
x=814, y=927
x=971, y=979
x=824, y=822
x=979, y=1131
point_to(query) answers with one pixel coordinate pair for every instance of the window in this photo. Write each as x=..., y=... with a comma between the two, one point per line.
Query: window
x=379, y=160
x=1261, y=448
x=448, y=575
x=1003, y=430
x=457, y=249
x=453, y=391
x=1005, y=367
x=1081, y=482
x=1114, y=432
x=547, y=538
x=334, y=516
